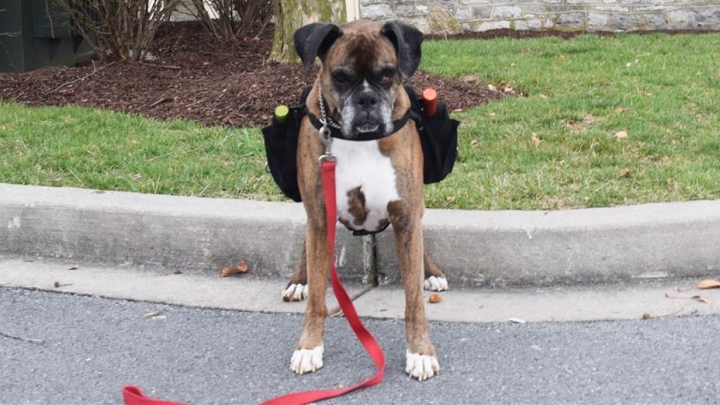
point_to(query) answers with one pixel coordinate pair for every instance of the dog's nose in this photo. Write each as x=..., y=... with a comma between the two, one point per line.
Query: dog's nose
x=366, y=99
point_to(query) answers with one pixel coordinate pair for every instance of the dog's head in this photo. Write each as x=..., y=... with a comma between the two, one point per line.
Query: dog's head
x=363, y=66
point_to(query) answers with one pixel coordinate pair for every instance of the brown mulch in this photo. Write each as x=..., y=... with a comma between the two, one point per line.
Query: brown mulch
x=196, y=78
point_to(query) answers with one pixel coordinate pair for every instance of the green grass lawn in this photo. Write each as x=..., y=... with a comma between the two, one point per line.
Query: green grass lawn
x=82, y=147
x=560, y=147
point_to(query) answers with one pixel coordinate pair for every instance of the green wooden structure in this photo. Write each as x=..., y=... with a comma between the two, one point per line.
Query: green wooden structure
x=36, y=33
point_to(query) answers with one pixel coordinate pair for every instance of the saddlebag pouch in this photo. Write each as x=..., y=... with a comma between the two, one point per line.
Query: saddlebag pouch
x=281, y=140
x=438, y=136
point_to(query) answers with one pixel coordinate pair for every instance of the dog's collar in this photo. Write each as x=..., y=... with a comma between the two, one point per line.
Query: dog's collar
x=335, y=127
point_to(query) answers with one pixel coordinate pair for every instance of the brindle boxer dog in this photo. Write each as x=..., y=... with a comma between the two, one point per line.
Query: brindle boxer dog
x=379, y=182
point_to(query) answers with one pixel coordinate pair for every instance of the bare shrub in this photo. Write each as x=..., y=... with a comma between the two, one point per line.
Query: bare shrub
x=124, y=29
x=231, y=19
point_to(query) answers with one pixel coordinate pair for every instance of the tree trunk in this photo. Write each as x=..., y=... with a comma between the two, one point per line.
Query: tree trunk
x=293, y=14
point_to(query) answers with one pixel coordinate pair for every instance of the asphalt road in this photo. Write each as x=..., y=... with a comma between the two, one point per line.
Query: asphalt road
x=91, y=347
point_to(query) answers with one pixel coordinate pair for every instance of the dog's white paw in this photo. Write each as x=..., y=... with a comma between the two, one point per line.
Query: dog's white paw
x=433, y=283
x=307, y=360
x=421, y=366
x=295, y=292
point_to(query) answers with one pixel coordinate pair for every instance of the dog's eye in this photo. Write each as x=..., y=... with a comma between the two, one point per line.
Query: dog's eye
x=341, y=78
x=386, y=76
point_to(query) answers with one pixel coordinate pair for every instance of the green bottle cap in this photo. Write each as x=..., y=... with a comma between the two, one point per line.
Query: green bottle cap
x=281, y=113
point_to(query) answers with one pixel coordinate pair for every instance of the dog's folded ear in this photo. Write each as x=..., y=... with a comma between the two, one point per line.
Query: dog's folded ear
x=407, y=41
x=314, y=40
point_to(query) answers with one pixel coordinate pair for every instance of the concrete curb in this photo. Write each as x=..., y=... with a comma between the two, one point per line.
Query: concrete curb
x=474, y=248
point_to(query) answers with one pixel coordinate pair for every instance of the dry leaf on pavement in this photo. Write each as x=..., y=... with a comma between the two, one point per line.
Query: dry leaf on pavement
x=694, y=297
x=241, y=267
x=702, y=299
x=707, y=284
x=435, y=298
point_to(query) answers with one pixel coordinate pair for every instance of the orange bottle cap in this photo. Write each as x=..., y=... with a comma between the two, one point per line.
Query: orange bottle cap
x=429, y=94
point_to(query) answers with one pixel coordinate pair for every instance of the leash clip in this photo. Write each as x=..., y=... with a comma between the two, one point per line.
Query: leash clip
x=324, y=131
x=326, y=139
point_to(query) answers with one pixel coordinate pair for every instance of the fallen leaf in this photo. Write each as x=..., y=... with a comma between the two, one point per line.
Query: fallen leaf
x=153, y=314
x=57, y=284
x=542, y=96
x=560, y=57
x=646, y=316
x=624, y=172
x=694, y=297
x=619, y=110
x=621, y=135
x=534, y=138
x=507, y=89
x=242, y=267
x=474, y=143
x=435, y=299
x=702, y=299
x=74, y=267
x=707, y=284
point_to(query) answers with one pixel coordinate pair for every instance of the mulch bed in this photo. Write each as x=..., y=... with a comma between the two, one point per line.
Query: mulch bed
x=197, y=78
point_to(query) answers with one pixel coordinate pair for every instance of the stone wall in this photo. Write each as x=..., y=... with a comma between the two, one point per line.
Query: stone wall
x=452, y=16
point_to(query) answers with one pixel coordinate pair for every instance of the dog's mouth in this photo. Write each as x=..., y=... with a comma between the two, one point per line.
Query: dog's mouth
x=357, y=123
x=367, y=128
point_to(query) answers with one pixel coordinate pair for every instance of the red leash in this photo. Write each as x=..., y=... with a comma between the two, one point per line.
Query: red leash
x=133, y=396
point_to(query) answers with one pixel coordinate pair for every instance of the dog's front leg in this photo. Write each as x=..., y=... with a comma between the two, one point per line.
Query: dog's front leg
x=421, y=360
x=308, y=356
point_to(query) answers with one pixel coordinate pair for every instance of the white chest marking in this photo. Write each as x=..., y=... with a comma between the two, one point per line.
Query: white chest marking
x=360, y=164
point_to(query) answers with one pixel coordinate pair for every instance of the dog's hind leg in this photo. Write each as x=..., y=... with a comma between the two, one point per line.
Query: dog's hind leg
x=296, y=288
x=435, y=280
